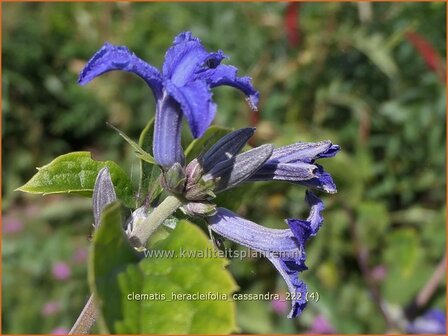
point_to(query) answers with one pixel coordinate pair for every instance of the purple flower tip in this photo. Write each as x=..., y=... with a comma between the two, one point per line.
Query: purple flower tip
x=61, y=271
x=12, y=225
x=60, y=331
x=280, y=305
x=50, y=308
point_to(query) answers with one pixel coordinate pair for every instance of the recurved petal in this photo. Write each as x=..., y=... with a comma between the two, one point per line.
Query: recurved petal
x=187, y=57
x=290, y=270
x=111, y=57
x=268, y=241
x=237, y=169
x=227, y=75
x=226, y=147
x=304, y=152
x=303, y=229
x=322, y=181
x=103, y=194
x=195, y=99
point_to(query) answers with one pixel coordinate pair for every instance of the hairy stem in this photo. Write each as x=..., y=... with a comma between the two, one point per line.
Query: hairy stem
x=86, y=319
x=138, y=238
x=144, y=230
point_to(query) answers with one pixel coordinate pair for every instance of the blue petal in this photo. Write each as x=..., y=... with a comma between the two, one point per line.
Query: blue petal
x=322, y=181
x=231, y=172
x=299, y=171
x=186, y=58
x=279, y=246
x=227, y=75
x=284, y=248
x=226, y=147
x=195, y=99
x=167, y=147
x=304, y=152
x=111, y=57
x=303, y=229
x=257, y=237
x=297, y=288
x=188, y=61
x=295, y=164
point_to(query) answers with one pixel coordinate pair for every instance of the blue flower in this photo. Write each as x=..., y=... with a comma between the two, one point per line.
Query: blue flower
x=183, y=88
x=285, y=248
x=432, y=322
x=296, y=164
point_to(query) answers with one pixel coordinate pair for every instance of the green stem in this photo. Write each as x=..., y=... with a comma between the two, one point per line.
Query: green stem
x=145, y=229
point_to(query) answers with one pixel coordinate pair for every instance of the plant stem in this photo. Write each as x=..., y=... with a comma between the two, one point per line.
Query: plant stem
x=86, y=319
x=428, y=290
x=138, y=238
x=145, y=229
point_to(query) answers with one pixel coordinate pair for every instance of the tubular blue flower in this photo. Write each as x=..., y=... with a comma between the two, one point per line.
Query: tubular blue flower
x=284, y=248
x=183, y=88
x=295, y=164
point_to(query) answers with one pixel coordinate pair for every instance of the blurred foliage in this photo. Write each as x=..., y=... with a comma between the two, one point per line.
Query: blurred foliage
x=356, y=80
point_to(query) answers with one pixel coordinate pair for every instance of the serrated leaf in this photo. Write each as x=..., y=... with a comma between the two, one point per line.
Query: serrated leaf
x=110, y=253
x=139, y=152
x=76, y=173
x=163, y=275
x=201, y=145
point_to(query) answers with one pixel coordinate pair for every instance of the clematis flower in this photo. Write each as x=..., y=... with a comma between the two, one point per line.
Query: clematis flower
x=296, y=164
x=183, y=88
x=285, y=248
x=222, y=167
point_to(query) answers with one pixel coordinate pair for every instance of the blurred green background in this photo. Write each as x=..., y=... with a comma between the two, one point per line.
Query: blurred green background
x=370, y=77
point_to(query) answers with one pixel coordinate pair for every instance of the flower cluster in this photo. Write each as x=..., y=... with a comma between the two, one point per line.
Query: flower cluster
x=183, y=89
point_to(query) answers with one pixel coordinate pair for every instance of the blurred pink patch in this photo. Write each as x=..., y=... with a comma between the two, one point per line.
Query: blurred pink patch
x=280, y=306
x=378, y=273
x=80, y=255
x=321, y=326
x=11, y=225
x=32, y=210
x=60, y=331
x=50, y=308
x=61, y=271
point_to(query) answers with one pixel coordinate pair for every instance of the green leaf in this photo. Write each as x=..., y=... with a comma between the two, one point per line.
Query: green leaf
x=76, y=173
x=149, y=173
x=140, y=152
x=161, y=276
x=408, y=270
x=110, y=253
x=201, y=145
